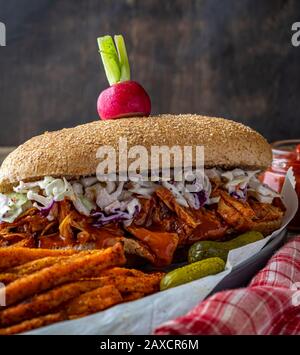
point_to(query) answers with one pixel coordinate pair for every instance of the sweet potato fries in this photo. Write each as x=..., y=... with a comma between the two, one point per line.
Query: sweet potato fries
x=47, y=286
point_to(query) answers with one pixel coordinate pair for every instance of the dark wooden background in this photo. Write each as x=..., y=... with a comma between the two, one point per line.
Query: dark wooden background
x=229, y=58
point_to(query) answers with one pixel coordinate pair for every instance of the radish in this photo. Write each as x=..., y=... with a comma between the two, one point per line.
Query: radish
x=124, y=97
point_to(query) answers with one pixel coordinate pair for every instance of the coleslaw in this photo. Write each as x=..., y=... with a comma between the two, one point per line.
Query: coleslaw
x=119, y=201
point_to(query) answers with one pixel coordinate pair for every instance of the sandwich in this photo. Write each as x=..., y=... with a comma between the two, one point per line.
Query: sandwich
x=51, y=196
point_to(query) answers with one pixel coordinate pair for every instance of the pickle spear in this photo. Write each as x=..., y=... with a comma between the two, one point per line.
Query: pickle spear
x=209, y=249
x=192, y=272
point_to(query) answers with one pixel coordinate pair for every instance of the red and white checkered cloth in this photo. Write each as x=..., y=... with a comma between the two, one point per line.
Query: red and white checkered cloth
x=269, y=305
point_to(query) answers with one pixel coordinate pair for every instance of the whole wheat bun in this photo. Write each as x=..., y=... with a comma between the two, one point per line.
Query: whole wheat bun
x=72, y=152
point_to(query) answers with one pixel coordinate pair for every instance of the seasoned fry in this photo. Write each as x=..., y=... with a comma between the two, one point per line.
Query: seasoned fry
x=131, y=287
x=146, y=284
x=28, y=242
x=10, y=257
x=40, y=264
x=107, y=296
x=76, y=316
x=31, y=267
x=37, y=265
x=33, y=324
x=46, y=302
x=132, y=296
x=131, y=280
x=94, y=301
x=70, y=270
x=67, y=286
x=6, y=278
x=121, y=271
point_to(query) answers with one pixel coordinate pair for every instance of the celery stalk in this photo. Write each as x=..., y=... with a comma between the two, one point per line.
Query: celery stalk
x=110, y=59
x=114, y=58
x=123, y=58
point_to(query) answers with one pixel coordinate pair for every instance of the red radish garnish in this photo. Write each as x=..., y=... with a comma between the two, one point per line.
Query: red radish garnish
x=124, y=97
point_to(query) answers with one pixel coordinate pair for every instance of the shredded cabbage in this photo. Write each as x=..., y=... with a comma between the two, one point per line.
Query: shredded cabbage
x=120, y=201
x=11, y=206
x=260, y=191
x=144, y=188
x=89, y=181
x=240, y=184
x=107, y=195
x=84, y=205
x=4, y=205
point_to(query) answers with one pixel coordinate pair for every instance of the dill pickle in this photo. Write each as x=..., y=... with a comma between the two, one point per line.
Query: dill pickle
x=192, y=272
x=209, y=249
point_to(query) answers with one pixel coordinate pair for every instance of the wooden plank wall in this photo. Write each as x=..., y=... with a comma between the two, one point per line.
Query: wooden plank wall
x=4, y=151
x=229, y=58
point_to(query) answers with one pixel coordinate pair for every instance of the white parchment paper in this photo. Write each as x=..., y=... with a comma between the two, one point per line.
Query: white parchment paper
x=142, y=316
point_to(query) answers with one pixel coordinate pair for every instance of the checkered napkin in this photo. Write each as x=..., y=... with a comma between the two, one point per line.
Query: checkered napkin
x=269, y=305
